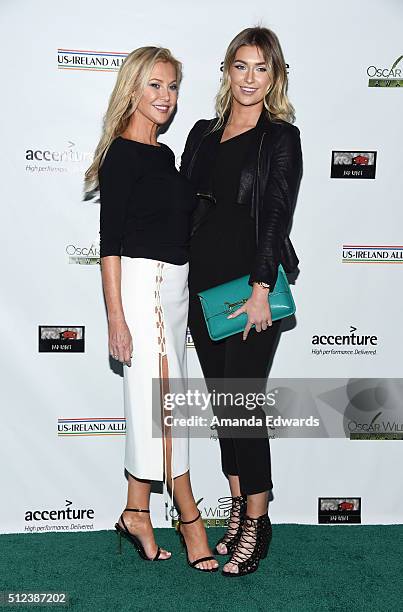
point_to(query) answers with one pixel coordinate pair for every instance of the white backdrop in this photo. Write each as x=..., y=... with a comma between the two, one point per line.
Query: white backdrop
x=328, y=47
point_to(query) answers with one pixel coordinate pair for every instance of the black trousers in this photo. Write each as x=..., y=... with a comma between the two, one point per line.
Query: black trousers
x=233, y=358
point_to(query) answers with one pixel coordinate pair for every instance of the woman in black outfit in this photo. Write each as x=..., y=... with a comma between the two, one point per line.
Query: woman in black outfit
x=245, y=166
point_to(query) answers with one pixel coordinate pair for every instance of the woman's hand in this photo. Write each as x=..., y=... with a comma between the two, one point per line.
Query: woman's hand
x=258, y=310
x=120, y=341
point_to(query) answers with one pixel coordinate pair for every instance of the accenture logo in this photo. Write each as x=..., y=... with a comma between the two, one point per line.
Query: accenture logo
x=64, y=514
x=344, y=344
x=350, y=339
x=49, y=160
x=70, y=154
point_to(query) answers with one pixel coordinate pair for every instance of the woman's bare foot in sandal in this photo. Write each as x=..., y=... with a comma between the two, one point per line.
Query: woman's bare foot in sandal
x=197, y=544
x=139, y=524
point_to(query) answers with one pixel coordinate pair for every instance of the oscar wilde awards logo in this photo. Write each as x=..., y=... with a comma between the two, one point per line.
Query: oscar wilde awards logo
x=353, y=164
x=97, y=61
x=365, y=253
x=380, y=76
x=371, y=408
x=61, y=339
x=91, y=426
x=49, y=160
x=84, y=255
x=330, y=345
x=374, y=410
x=212, y=516
x=63, y=519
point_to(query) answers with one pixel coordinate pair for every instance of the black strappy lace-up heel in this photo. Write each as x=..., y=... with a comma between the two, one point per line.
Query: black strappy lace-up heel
x=182, y=539
x=252, y=545
x=125, y=533
x=231, y=537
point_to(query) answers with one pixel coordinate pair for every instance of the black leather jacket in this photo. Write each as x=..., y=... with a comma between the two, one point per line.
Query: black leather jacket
x=268, y=184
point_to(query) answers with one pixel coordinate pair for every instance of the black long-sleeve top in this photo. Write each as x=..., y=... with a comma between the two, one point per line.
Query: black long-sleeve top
x=146, y=205
x=223, y=247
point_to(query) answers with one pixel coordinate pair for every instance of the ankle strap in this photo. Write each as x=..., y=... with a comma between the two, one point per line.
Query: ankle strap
x=135, y=510
x=189, y=522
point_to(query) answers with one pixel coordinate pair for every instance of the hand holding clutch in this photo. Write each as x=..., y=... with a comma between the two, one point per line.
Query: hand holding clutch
x=229, y=298
x=257, y=309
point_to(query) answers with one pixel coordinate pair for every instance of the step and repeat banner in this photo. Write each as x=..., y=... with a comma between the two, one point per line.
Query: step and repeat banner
x=62, y=428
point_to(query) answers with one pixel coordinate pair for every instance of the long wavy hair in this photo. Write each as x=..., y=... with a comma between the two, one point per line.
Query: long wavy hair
x=131, y=80
x=276, y=101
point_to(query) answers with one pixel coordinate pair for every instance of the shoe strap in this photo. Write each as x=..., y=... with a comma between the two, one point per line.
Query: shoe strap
x=194, y=563
x=135, y=510
x=189, y=522
x=130, y=510
x=157, y=554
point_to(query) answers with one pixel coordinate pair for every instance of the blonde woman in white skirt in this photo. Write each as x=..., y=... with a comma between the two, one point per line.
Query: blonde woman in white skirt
x=146, y=207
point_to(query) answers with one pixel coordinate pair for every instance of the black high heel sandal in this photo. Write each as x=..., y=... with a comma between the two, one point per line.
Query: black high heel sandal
x=248, y=554
x=125, y=533
x=182, y=539
x=231, y=537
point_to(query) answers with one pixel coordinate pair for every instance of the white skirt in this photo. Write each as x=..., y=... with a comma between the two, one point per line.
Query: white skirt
x=155, y=300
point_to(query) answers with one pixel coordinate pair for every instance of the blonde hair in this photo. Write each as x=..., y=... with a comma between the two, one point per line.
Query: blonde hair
x=276, y=100
x=131, y=80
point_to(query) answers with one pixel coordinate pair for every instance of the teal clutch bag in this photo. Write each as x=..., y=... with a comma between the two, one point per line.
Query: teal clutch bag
x=220, y=301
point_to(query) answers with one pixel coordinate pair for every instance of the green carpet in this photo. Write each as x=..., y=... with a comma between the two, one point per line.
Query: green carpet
x=326, y=568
